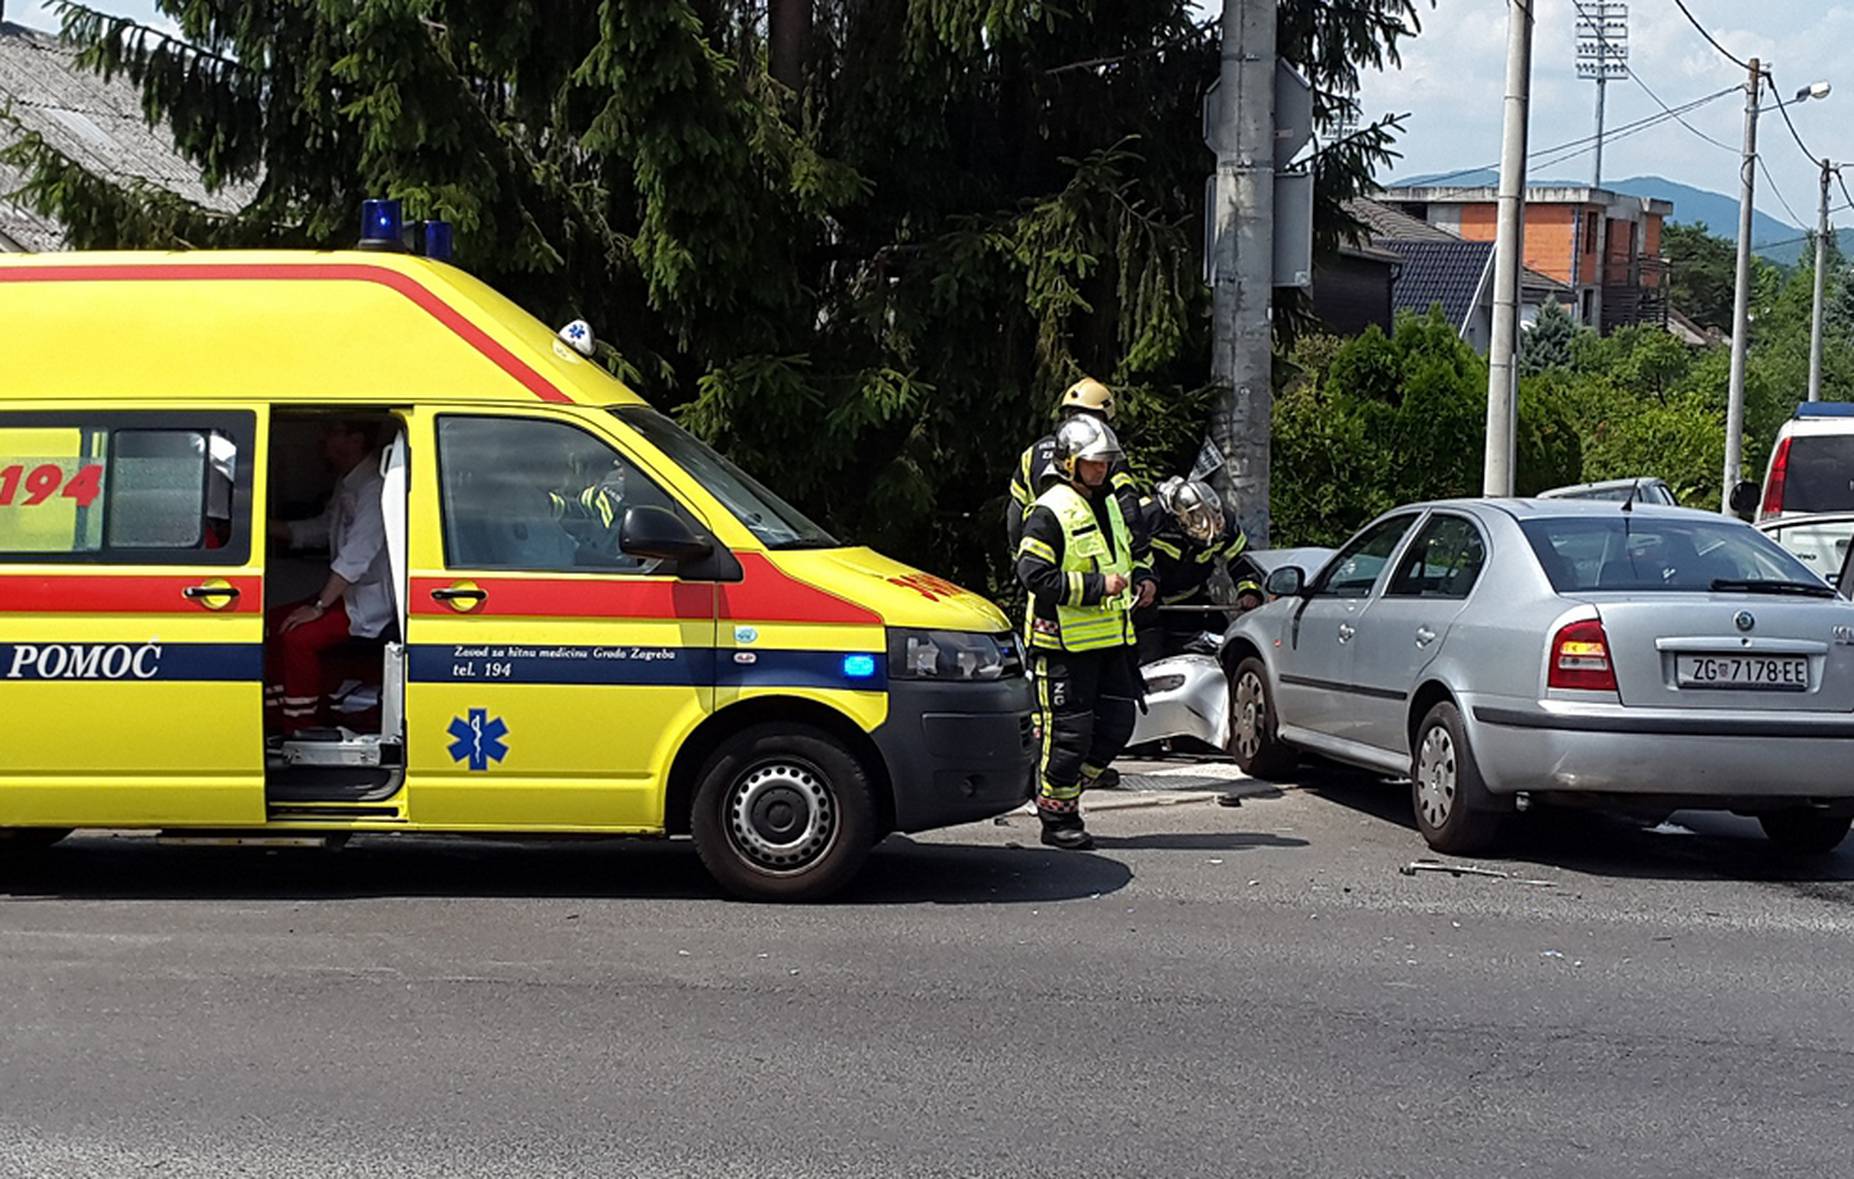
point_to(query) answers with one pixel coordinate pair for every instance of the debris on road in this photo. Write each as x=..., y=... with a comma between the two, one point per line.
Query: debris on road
x=1230, y=798
x=1415, y=866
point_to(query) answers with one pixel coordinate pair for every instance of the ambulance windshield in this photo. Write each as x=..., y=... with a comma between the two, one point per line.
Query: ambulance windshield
x=776, y=523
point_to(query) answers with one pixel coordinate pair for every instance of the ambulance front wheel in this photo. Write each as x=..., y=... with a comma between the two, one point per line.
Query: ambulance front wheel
x=783, y=813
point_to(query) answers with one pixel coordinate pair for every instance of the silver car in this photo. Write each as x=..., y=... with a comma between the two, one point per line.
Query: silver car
x=1502, y=652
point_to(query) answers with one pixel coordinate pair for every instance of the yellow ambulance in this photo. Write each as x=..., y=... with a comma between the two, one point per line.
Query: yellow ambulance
x=594, y=623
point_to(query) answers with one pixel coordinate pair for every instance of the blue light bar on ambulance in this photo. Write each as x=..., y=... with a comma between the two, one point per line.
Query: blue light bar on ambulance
x=1825, y=409
x=437, y=240
x=380, y=225
x=858, y=667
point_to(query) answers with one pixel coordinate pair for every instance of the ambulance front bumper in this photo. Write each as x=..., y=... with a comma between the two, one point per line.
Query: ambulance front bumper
x=957, y=752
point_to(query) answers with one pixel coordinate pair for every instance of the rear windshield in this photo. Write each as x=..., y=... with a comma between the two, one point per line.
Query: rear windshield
x=1820, y=474
x=1630, y=551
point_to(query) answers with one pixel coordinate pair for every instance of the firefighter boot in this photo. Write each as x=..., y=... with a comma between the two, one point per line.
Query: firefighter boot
x=1107, y=779
x=1066, y=832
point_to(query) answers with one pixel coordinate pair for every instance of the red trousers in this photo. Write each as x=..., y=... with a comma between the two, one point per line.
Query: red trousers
x=293, y=666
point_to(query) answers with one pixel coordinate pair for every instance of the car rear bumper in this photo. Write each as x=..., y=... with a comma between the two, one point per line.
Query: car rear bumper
x=957, y=752
x=1186, y=696
x=1608, y=749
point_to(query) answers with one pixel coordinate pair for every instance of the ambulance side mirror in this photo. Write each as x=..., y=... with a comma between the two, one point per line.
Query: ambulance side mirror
x=650, y=531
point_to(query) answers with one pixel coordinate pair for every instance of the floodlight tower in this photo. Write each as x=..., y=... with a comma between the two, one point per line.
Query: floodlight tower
x=1602, y=53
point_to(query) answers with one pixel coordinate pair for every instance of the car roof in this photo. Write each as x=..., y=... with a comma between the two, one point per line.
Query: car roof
x=1545, y=509
x=1602, y=485
x=1779, y=523
x=1269, y=560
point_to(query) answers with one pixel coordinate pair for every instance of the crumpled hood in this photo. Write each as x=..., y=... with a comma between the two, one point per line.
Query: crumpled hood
x=901, y=594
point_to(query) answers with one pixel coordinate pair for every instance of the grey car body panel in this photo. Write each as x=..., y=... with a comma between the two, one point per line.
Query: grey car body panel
x=1490, y=654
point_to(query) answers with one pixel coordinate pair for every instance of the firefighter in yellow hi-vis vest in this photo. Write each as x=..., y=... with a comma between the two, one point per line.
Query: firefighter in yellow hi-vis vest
x=1076, y=560
x=1087, y=398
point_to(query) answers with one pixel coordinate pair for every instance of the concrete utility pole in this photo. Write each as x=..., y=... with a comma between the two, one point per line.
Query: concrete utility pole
x=1821, y=269
x=1741, y=296
x=1509, y=252
x=1242, y=356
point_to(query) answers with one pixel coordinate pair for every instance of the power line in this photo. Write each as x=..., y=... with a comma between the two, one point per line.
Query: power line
x=1783, y=108
x=1619, y=133
x=1790, y=241
x=1765, y=168
x=1588, y=143
x=1844, y=191
x=1710, y=40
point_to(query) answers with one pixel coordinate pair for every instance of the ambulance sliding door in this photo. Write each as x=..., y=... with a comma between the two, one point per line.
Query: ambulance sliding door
x=131, y=617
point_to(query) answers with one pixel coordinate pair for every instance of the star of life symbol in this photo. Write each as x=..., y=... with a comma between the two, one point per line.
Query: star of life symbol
x=478, y=739
x=576, y=331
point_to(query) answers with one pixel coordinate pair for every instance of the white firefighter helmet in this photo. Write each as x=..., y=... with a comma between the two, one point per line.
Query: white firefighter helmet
x=1195, y=505
x=1083, y=438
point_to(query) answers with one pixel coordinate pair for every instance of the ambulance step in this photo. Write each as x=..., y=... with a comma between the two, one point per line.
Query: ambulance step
x=241, y=839
x=317, y=812
x=330, y=784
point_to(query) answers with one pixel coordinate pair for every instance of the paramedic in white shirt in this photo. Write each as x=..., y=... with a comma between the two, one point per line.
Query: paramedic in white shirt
x=356, y=600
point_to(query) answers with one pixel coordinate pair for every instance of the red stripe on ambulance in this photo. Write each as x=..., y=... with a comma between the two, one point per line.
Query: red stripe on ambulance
x=405, y=284
x=105, y=593
x=764, y=594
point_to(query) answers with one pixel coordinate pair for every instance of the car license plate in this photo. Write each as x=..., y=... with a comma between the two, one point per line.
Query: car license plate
x=1776, y=673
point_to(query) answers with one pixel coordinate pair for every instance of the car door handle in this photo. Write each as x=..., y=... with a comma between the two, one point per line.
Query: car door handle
x=457, y=594
x=1346, y=631
x=1424, y=636
x=197, y=592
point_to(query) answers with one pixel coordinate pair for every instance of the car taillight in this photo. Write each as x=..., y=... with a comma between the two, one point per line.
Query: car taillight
x=1580, y=658
x=1773, y=486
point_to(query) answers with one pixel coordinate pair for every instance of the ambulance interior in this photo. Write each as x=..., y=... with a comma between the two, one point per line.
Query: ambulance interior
x=354, y=751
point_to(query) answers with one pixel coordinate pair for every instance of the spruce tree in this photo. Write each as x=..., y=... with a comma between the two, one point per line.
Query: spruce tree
x=863, y=261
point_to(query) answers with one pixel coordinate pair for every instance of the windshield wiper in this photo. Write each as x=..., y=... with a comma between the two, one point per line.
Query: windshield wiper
x=1750, y=585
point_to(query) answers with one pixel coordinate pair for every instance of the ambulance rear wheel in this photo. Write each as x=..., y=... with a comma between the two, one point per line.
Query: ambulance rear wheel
x=783, y=813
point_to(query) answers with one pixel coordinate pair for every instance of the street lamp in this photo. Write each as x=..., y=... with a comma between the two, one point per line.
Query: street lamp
x=1741, y=294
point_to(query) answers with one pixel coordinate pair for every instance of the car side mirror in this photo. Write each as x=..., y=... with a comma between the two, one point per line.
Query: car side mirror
x=1744, y=499
x=649, y=531
x=1289, y=581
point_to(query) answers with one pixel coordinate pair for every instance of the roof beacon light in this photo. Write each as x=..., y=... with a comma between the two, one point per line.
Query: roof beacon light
x=578, y=336
x=380, y=225
x=437, y=243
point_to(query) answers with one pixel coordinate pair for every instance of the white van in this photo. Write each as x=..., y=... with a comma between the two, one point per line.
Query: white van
x=1811, y=467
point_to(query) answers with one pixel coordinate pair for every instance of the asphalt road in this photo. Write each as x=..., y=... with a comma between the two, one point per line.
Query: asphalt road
x=1216, y=991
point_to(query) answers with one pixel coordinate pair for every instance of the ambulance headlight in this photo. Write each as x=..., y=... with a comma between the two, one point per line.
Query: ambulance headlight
x=953, y=655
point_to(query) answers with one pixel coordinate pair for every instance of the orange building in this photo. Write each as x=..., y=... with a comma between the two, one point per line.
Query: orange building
x=1605, y=246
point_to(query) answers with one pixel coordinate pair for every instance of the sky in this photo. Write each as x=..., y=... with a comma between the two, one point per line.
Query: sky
x=1453, y=80
x=1453, y=76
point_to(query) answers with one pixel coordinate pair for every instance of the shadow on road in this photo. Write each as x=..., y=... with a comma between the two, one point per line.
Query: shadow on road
x=900, y=871
x=1694, y=845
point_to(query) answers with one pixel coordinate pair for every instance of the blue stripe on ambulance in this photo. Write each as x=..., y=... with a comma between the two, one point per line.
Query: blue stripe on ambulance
x=151, y=660
x=645, y=666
